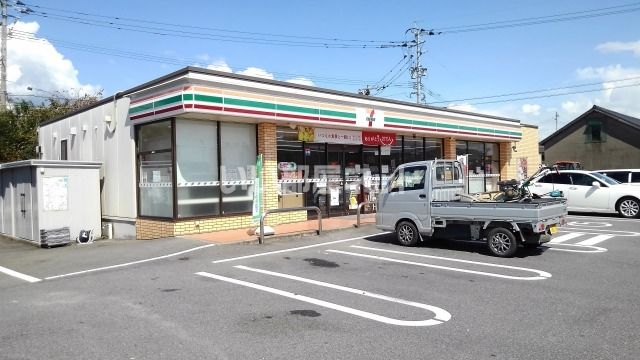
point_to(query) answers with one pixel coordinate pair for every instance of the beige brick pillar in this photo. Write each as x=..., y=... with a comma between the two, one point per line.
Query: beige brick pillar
x=267, y=146
x=507, y=162
x=450, y=148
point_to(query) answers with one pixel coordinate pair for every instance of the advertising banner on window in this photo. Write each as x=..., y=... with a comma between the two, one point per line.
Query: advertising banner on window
x=378, y=138
x=337, y=136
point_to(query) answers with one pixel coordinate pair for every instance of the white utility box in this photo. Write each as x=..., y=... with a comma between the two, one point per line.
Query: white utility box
x=48, y=202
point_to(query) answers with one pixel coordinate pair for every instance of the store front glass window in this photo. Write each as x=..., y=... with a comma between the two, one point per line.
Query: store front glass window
x=238, y=147
x=413, y=149
x=391, y=157
x=483, y=165
x=476, y=166
x=433, y=149
x=291, y=168
x=492, y=166
x=155, y=187
x=197, y=168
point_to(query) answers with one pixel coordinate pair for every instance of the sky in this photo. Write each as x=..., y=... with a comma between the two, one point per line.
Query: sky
x=580, y=52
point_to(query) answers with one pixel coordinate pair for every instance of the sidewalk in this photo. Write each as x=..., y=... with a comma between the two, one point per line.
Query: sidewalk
x=244, y=235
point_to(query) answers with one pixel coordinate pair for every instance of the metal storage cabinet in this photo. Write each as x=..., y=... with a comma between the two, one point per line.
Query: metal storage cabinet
x=48, y=202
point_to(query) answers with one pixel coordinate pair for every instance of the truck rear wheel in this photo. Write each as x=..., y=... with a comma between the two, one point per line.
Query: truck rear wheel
x=502, y=242
x=407, y=233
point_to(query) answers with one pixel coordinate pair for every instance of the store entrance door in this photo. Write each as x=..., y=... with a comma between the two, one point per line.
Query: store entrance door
x=344, y=184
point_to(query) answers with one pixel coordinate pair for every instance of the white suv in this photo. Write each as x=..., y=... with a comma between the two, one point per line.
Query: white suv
x=590, y=191
x=622, y=175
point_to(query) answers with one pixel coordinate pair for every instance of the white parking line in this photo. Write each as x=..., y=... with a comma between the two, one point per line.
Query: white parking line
x=129, y=263
x=562, y=238
x=595, y=240
x=296, y=248
x=542, y=275
x=19, y=275
x=441, y=315
x=587, y=248
x=600, y=231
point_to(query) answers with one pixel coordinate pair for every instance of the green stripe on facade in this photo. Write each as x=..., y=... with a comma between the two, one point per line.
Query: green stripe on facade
x=449, y=126
x=209, y=98
x=297, y=109
x=141, y=108
x=167, y=101
x=338, y=114
x=187, y=97
x=249, y=103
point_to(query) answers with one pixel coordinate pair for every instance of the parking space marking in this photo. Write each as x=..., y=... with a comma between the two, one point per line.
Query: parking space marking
x=542, y=275
x=563, y=238
x=595, y=240
x=129, y=263
x=296, y=248
x=440, y=316
x=19, y=275
x=589, y=249
x=601, y=231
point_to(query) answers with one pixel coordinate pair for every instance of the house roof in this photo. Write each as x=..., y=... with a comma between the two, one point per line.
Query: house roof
x=626, y=119
x=192, y=69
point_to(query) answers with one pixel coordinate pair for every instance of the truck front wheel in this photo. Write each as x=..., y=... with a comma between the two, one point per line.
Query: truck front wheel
x=502, y=242
x=407, y=233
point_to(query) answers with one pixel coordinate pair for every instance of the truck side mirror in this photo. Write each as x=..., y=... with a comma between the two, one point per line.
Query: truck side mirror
x=394, y=189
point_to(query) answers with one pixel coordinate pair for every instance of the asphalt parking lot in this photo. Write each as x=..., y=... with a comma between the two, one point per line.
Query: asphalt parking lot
x=349, y=294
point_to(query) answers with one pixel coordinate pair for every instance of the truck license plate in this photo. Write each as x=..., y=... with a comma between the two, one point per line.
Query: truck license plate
x=553, y=229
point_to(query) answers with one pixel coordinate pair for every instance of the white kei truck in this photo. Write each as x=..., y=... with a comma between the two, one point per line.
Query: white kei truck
x=427, y=199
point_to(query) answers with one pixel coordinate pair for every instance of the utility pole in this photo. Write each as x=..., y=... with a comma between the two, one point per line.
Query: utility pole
x=3, y=57
x=417, y=71
x=556, y=121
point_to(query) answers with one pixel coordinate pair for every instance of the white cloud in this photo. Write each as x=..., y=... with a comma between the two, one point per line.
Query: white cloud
x=39, y=65
x=617, y=46
x=533, y=109
x=257, y=72
x=301, y=81
x=220, y=65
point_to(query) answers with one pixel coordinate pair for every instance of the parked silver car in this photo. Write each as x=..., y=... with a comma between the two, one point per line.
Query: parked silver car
x=590, y=191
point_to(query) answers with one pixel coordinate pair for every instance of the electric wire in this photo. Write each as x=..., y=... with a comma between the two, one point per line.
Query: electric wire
x=536, y=91
x=22, y=35
x=546, y=17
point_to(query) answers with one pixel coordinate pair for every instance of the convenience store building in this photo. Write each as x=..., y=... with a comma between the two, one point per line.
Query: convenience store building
x=178, y=153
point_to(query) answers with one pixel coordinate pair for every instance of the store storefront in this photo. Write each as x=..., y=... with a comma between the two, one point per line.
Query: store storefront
x=347, y=168
x=179, y=152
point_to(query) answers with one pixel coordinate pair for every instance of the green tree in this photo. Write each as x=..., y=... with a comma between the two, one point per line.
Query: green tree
x=19, y=124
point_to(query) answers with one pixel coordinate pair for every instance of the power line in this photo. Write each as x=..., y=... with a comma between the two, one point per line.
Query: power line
x=555, y=95
x=182, y=26
x=536, y=91
x=27, y=36
x=263, y=39
x=578, y=15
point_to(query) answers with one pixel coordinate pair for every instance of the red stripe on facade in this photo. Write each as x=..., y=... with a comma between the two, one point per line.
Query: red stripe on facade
x=136, y=117
x=451, y=132
x=337, y=120
x=169, y=109
x=253, y=112
x=293, y=116
x=207, y=107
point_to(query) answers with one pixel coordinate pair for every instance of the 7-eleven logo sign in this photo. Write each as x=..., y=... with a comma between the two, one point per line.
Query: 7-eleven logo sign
x=371, y=118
